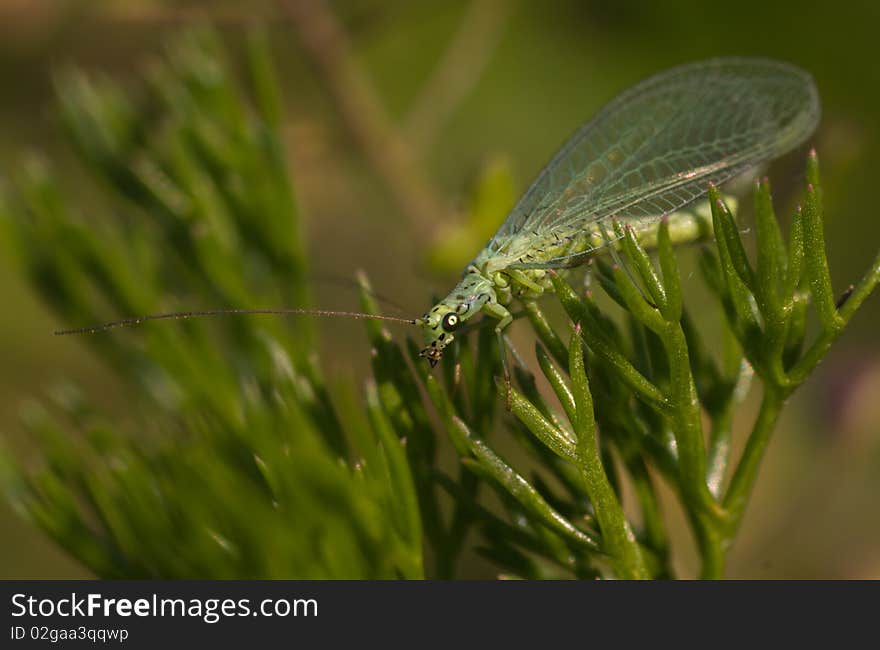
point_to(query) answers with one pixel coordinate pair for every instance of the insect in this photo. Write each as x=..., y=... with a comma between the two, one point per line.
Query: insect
x=650, y=152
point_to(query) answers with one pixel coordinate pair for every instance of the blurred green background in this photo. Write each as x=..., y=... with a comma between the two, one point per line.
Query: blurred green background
x=519, y=77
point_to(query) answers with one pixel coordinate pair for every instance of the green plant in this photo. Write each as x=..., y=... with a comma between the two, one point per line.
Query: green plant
x=240, y=461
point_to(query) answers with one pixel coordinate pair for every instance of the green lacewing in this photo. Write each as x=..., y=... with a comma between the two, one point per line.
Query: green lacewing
x=650, y=152
x=653, y=150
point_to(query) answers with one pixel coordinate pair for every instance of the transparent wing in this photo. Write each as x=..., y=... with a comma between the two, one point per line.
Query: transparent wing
x=656, y=147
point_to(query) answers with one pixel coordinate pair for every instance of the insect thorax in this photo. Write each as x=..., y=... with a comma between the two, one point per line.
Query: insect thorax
x=526, y=249
x=473, y=291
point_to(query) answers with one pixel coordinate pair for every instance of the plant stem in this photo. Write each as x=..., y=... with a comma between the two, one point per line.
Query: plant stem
x=747, y=470
x=688, y=426
x=652, y=519
x=617, y=536
x=719, y=449
x=713, y=549
x=817, y=351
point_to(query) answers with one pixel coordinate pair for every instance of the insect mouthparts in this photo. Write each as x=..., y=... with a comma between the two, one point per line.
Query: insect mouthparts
x=432, y=354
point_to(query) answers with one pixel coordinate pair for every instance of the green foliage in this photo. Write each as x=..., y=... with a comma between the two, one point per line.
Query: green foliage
x=237, y=460
x=654, y=383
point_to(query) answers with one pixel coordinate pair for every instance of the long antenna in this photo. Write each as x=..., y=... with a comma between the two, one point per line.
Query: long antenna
x=180, y=315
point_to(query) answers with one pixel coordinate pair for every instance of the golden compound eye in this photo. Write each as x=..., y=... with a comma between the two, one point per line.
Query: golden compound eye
x=450, y=322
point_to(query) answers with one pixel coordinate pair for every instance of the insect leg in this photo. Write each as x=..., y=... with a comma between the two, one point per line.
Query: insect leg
x=522, y=279
x=505, y=318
